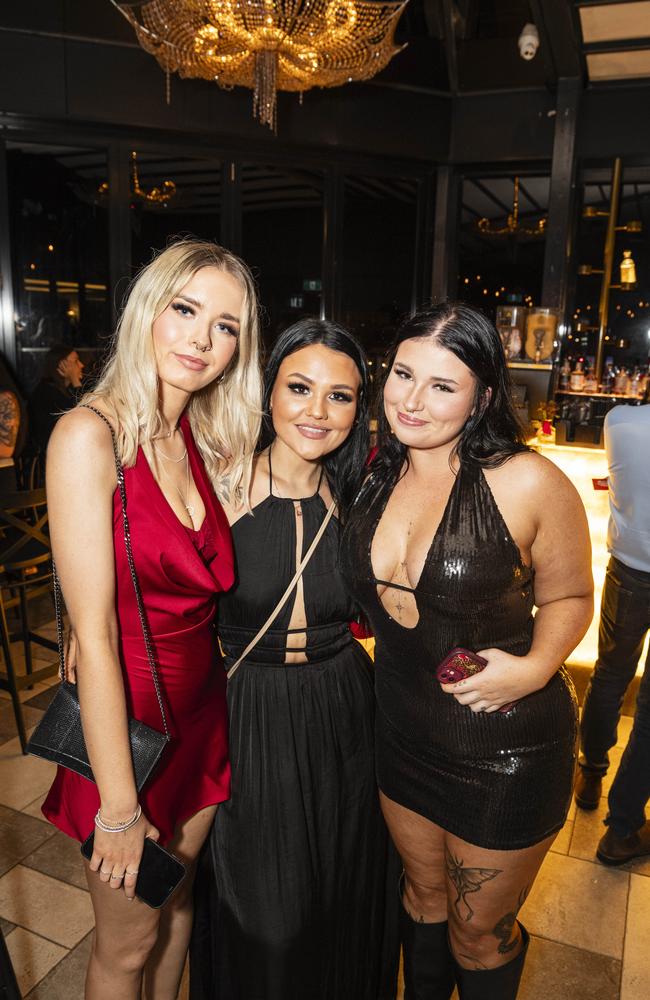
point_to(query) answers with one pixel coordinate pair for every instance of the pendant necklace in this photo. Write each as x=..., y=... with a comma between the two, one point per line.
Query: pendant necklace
x=189, y=507
x=168, y=458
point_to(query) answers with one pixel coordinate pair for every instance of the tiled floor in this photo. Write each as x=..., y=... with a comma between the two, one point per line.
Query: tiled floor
x=590, y=925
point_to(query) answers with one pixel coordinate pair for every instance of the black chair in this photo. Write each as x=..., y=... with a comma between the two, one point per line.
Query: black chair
x=8, y=984
x=25, y=574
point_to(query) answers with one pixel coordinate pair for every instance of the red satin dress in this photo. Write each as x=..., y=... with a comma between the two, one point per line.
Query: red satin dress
x=180, y=572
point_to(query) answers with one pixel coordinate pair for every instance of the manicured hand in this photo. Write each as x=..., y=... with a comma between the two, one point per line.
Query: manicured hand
x=116, y=856
x=505, y=679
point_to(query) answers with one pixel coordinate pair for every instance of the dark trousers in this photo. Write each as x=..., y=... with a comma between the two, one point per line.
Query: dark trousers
x=624, y=621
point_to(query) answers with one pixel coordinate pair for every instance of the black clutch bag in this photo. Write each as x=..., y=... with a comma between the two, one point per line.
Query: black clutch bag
x=59, y=735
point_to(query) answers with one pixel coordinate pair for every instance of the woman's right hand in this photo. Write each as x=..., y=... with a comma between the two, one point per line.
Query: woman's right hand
x=116, y=856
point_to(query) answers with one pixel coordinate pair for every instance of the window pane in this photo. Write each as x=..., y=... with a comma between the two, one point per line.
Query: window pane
x=496, y=268
x=172, y=196
x=282, y=241
x=379, y=220
x=59, y=242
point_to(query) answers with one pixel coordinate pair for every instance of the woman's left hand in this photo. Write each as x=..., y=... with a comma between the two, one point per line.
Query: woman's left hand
x=505, y=679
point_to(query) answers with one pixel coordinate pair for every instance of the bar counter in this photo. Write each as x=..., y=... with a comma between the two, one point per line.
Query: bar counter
x=582, y=466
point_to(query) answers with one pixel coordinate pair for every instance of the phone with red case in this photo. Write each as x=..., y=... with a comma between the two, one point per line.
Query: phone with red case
x=460, y=663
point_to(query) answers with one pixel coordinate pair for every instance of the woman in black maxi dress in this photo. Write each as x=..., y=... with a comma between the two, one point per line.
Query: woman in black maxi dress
x=299, y=897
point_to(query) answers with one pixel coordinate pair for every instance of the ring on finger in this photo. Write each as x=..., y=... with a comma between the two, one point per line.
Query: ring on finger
x=102, y=872
x=117, y=878
x=131, y=873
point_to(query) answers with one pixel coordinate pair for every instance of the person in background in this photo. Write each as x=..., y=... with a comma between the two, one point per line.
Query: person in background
x=12, y=427
x=624, y=623
x=56, y=393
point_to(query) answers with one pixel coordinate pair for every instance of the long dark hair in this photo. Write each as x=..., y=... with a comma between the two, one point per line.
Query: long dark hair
x=493, y=433
x=344, y=466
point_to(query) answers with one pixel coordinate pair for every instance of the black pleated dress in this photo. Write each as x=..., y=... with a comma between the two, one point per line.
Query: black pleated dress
x=297, y=896
x=500, y=781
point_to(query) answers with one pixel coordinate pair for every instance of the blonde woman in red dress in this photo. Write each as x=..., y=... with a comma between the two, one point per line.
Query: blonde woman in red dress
x=181, y=393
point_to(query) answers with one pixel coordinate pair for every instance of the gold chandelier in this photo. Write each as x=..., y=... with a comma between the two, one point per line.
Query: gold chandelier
x=268, y=45
x=154, y=196
x=513, y=226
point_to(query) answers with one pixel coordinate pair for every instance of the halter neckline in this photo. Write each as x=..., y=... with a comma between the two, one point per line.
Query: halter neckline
x=292, y=499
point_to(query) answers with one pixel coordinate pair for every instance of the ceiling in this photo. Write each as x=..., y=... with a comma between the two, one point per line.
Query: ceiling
x=616, y=40
x=462, y=46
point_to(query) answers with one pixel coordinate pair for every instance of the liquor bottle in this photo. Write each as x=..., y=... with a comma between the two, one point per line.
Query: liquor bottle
x=609, y=376
x=565, y=374
x=578, y=377
x=622, y=382
x=590, y=383
x=634, y=382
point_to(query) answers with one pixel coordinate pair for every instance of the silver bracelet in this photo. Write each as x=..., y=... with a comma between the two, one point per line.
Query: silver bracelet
x=117, y=827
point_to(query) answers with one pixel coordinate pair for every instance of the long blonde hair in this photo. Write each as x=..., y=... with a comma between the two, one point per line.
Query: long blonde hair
x=225, y=415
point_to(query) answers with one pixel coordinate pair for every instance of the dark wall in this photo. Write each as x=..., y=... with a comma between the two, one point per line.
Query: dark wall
x=497, y=128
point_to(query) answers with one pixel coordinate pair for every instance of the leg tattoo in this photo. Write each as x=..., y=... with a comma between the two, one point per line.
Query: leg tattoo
x=466, y=880
x=478, y=966
x=504, y=928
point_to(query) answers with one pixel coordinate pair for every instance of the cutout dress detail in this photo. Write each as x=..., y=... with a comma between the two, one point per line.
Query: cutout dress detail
x=298, y=900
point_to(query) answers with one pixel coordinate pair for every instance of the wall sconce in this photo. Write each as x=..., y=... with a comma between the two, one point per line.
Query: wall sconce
x=628, y=271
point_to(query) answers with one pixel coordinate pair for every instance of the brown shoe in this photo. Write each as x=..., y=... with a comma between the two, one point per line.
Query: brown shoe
x=613, y=850
x=588, y=789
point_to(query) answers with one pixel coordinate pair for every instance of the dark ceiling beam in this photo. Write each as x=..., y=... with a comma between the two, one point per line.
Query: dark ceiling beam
x=599, y=3
x=472, y=211
x=506, y=209
x=560, y=36
x=526, y=193
x=617, y=45
x=450, y=45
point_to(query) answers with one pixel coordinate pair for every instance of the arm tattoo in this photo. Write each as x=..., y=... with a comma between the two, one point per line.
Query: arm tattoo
x=503, y=930
x=9, y=418
x=467, y=880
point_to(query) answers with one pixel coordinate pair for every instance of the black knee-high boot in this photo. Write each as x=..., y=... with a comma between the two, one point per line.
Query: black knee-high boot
x=428, y=965
x=493, y=984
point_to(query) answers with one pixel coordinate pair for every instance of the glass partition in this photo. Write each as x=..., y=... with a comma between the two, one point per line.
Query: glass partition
x=59, y=245
x=282, y=241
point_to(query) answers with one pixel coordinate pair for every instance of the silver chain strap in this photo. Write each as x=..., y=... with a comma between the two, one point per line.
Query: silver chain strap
x=151, y=657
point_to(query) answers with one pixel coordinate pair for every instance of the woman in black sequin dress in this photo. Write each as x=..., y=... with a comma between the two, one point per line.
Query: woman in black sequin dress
x=459, y=531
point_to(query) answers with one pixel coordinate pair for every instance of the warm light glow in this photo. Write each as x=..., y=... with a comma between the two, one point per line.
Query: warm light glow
x=582, y=465
x=628, y=270
x=268, y=45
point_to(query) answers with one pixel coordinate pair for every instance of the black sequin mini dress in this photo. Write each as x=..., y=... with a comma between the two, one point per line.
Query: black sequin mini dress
x=501, y=781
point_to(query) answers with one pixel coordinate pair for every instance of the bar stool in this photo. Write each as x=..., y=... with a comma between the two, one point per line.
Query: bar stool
x=25, y=574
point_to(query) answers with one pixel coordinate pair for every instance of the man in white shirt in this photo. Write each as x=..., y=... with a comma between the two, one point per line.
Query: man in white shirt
x=624, y=622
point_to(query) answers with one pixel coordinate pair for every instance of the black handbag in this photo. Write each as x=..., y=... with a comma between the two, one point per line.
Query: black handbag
x=59, y=735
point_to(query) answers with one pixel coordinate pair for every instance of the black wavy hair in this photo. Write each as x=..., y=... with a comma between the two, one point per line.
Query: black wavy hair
x=493, y=433
x=344, y=466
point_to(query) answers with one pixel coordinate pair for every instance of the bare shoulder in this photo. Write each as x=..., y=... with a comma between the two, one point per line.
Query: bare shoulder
x=531, y=475
x=81, y=438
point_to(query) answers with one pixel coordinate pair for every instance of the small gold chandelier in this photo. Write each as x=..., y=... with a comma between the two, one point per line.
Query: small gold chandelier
x=512, y=226
x=268, y=45
x=154, y=196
